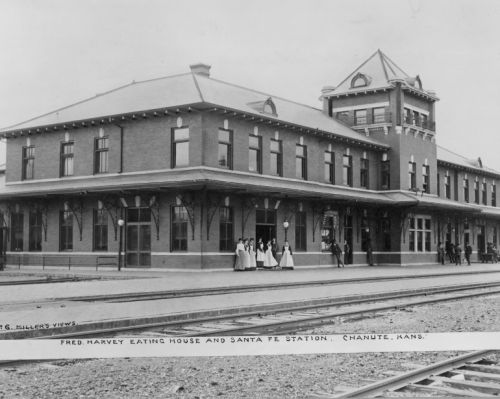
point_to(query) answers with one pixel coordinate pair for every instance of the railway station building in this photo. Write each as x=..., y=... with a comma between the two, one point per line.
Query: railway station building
x=190, y=163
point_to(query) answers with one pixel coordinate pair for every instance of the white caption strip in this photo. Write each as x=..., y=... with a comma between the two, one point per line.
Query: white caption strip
x=244, y=345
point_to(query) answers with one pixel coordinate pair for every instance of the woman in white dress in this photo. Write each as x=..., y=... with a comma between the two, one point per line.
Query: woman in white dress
x=286, y=261
x=251, y=252
x=261, y=254
x=269, y=261
x=245, y=256
x=238, y=264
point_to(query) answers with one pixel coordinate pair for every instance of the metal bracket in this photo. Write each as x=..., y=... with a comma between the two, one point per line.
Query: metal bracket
x=212, y=207
x=248, y=206
x=189, y=205
x=317, y=214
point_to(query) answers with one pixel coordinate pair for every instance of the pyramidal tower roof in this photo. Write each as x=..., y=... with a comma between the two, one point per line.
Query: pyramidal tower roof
x=378, y=72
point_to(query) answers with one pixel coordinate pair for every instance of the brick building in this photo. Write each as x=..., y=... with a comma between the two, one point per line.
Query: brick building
x=191, y=163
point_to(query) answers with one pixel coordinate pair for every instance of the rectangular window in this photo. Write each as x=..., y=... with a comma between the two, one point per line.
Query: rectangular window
x=360, y=117
x=485, y=193
x=101, y=149
x=420, y=234
x=447, y=187
x=35, y=231
x=16, y=231
x=65, y=231
x=466, y=189
x=67, y=158
x=493, y=194
x=347, y=170
x=254, y=154
x=425, y=123
x=300, y=231
x=378, y=115
x=100, y=230
x=276, y=162
x=226, y=240
x=426, y=187
x=180, y=147
x=386, y=175
x=301, y=162
x=364, y=173
x=416, y=118
x=28, y=163
x=476, y=191
x=225, y=149
x=412, y=175
x=179, y=232
x=407, y=116
x=329, y=167
x=386, y=232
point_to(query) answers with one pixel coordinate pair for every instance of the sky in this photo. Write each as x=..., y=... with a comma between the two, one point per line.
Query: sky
x=56, y=52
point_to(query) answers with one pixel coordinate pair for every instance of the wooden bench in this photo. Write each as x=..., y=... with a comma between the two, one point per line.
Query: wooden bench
x=488, y=257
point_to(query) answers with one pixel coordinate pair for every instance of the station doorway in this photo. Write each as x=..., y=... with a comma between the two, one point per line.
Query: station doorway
x=348, y=238
x=481, y=244
x=265, y=225
x=138, y=237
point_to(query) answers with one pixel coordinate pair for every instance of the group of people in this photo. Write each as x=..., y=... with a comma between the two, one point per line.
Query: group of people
x=251, y=256
x=453, y=253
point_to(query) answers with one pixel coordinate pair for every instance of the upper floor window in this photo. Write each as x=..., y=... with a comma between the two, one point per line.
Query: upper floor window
x=101, y=149
x=347, y=170
x=276, y=161
x=476, y=191
x=379, y=115
x=225, y=149
x=254, y=154
x=180, y=147
x=301, y=162
x=447, y=187
x=426, y=187
x=360, y=80
x=28, y=162
x=425, y=121
x=412, y=175
x=386, y=174
x=416, y=118
x=407, y=116
x=466, y=189
x=493, y=194
x=360, y=117
x=67, y=158
x=364, y=173
x=329, y=167
x=485, y=193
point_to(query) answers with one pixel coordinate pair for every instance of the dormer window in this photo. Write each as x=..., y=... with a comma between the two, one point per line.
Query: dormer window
x=264, y=107
x=360, y=80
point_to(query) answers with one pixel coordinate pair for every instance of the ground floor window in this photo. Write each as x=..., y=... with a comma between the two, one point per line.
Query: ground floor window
x=17, y=231
x=300, y=231
x=328, y=226
x=100, y=230
x=226, y=239
x=65, y=231
x=265, y=224
x=179, y=228
x=386, y=232
x=365, y=230
x=35, y=231
x=420, y=234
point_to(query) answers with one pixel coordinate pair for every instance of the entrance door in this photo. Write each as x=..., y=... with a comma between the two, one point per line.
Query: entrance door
x=138, y=237
x=348, y=237
x=481, y=247
x=265, y=226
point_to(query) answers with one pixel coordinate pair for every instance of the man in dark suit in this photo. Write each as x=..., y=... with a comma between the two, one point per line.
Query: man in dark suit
x=337, y=253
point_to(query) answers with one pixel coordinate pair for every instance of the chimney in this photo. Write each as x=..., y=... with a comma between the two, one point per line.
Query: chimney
x=200, y=69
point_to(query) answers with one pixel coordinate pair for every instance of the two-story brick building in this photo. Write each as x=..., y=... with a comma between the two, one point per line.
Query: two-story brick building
x=191, y=163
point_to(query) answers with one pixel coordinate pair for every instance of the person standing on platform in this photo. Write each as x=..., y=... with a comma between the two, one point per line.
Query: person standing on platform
x=245, y=256
x=458, y=254
x=261, y=254
x=369, y=252
x=274, y=248
x=468, y=253
x=286, y=261
x=337, y=253
x=238, y=260
x=440, y=253
x=347, y=250
x=269, y=260
x=253, y=254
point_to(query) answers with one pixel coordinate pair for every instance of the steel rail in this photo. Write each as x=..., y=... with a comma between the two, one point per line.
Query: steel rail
x=400, y=381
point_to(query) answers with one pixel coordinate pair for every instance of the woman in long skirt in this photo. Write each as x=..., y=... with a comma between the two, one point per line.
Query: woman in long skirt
x=269, y=261
x=261, y=255
x=245, y=256
x=286, y=261
x=253, y=255
x=240, y=248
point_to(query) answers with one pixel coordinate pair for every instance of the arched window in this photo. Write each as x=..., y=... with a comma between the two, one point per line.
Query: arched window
x=360, y=80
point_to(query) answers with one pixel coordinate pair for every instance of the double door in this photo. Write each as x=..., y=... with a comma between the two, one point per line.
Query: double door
x=138, y=238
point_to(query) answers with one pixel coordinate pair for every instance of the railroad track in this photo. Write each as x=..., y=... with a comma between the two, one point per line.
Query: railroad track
x=469, y=375
x=47, y=280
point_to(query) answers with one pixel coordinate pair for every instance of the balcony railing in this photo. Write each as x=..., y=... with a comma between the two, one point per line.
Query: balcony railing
x=420, y=122
x=370, y=119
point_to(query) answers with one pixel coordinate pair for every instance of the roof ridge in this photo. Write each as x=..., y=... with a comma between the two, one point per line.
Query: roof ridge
x=263, y=93
x=383, y=64
x=454, y=153
x=90, y=98
x=197, y=86
x=395, y=65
